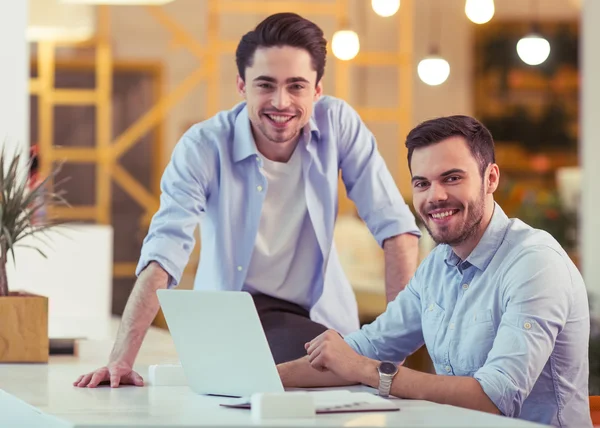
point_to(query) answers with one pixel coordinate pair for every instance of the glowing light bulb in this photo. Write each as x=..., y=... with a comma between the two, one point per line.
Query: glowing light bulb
x=385, y=8
x=433, y=70
x=533, y=49
x=480, y=11
x=345, y=44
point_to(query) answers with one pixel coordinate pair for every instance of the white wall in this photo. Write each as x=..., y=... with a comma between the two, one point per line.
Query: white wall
x=590, y=149
x=14, y=76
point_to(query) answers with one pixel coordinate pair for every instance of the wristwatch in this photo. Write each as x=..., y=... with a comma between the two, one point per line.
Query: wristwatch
x=387, y=370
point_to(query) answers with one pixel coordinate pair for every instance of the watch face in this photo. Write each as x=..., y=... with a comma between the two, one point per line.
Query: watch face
x=387, y=368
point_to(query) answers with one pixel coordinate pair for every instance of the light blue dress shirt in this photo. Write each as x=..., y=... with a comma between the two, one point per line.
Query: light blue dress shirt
x=514, y=315
x=214, y=178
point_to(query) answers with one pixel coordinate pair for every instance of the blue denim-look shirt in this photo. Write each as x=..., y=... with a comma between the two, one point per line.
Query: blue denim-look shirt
x=514, y=315
x=214, y=179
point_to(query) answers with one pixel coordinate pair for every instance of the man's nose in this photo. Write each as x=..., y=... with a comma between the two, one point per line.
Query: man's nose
x=281, y=100
x=437, y=193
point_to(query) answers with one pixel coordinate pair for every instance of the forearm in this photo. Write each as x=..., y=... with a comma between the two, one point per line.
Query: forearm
x=141, y=309
x=401, y=255
x=457, y=391
x=299, y=374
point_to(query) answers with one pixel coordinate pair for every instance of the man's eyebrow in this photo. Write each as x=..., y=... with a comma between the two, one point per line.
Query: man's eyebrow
x=296, y=80
x=443, y=174
x=273, y=80
x=266, y=79
x=418, y=178
x=453, y=171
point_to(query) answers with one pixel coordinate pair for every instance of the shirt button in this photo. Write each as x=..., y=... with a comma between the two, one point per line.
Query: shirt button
x=465, y=286
x=451, y=326
x=259, y=188
x=257, y=159
x=448, y=369
x=239, y=268
x=527, y=325
x=430, y=307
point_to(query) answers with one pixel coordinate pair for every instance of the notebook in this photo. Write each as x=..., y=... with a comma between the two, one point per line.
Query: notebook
x=337, y=402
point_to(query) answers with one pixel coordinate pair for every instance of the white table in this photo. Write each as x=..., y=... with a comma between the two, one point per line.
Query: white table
x=43, y=395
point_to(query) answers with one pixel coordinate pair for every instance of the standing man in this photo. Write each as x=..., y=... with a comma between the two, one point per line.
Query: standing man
x=262, y=181
x=501, y=307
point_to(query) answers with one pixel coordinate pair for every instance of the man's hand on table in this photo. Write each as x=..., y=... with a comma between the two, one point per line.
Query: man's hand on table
x=115, y=373
x=329, y=352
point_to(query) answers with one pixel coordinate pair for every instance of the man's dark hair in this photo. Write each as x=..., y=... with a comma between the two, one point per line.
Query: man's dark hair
x=283, y=29
x=477, y=136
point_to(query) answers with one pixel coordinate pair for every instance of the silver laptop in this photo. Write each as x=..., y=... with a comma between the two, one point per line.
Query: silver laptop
x=220, y=342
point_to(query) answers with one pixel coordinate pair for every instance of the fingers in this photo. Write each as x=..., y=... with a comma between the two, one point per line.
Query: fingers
x=115, y=379
x=97, y=377
x=137, y=379
x=84, y=380
x=78, y=380
x=319, y=363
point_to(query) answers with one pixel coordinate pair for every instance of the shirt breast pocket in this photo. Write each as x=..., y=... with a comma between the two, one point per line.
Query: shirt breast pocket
x=432, y=320
x=476, y=340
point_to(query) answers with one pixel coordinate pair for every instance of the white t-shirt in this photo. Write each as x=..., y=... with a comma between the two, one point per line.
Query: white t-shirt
x=285, y=242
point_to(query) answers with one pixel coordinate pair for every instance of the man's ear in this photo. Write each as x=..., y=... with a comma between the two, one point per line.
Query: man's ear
x=241, y=86
x=318, y=90
x=493, y=178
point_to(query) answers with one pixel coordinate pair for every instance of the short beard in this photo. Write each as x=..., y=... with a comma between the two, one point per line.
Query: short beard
x=471, y=227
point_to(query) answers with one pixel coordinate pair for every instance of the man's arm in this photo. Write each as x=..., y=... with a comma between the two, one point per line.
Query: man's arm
x=401, y=259
x=165, y=252
x=537, y=289
x=300, y=374
x=141, y=309
x=334, y=362
x=458, y=391
x=372, y=188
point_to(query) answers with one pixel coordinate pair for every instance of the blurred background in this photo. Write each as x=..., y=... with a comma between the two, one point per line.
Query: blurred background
x=113, y=84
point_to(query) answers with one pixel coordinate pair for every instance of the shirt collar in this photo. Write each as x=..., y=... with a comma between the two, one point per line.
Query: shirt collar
x=243, y=141
x=492, y=238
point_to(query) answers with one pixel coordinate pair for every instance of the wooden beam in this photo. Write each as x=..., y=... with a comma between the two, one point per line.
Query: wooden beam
x=405, y=19
x=34, y=86
x=124, y=269
x=179, y=32
x=81, y=212
x=137, y=130
x=74, y=97
x=212, y=65
x=134, y=189
x=104, y=72
x=45, y=107
x=74, y=154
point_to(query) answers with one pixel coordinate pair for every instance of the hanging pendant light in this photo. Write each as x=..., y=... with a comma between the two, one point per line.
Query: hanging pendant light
x=385, y=8
x=480, y=11
x=345, y=44
x=533, y=49
x=433, y=69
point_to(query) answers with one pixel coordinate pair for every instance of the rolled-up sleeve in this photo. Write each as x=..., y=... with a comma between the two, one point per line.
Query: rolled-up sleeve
x=184, y=191
x=368, y=181
x=396, y=333
x=537, y=294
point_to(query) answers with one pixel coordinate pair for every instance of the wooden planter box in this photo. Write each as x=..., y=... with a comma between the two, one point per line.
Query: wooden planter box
x=24, y=328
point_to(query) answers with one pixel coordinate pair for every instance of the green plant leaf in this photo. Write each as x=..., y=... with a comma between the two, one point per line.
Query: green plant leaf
x=33, y=248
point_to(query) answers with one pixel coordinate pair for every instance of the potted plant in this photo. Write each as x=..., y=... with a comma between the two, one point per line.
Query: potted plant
x=23, y=316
